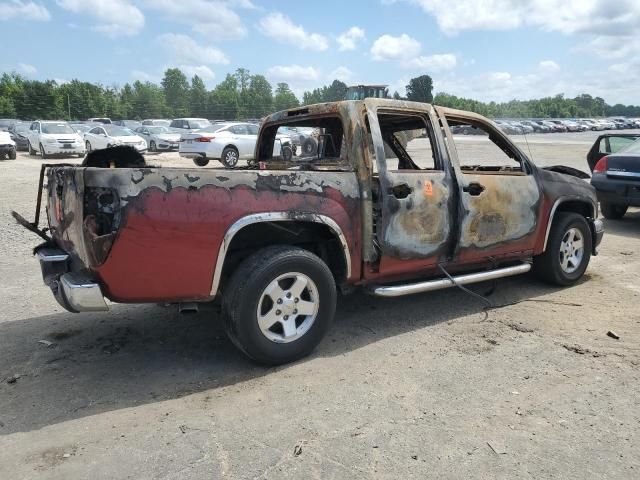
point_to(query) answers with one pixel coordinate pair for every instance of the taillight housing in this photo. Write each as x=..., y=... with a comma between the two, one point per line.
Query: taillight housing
x=204, y=139
x=601, y=166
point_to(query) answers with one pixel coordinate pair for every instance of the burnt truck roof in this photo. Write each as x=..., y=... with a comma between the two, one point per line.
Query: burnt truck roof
x=346, y=107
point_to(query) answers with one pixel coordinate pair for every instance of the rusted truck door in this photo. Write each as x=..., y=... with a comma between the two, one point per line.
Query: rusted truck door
x=499, y=194
x=413, y=194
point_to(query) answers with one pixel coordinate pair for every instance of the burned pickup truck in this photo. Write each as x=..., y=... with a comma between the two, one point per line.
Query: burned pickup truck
x=389, y=201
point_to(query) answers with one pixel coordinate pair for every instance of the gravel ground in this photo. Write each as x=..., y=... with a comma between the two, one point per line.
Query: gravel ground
x=429, y=386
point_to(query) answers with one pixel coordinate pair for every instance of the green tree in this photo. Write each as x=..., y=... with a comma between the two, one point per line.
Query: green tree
x=284, y=98
x=199, y=97
x=258, y=98
x=420, y=89
x=176, y=92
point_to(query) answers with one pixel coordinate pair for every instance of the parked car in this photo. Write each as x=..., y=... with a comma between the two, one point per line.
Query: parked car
x=190, y=124
x=616, y=178
x=592, y=124
x=524, y=128
x=160, y=122
x=103, y=120
x=54, y=138
x=228, y=143
x=7, y=146
x=507, y=128
x=130, y=124
x=303, y=139
x=275, y=244
x=609, y=143
x=537, y=127
x=105, y=136
x=559, y=125
x=159, y=138
x=19, y=134
x=466, y=130
x=82, y=128
x=5, y=123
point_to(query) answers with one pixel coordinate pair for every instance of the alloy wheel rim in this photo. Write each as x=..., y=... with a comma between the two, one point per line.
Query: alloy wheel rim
x=571, y=250
x=232, y=158
x=288, y=307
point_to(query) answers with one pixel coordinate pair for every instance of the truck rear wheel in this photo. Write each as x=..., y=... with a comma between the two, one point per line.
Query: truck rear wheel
x=612, y=211
x=279, y=304
x=568, y=250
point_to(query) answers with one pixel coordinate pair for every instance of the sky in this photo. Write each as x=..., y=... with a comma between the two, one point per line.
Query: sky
x=490, y=50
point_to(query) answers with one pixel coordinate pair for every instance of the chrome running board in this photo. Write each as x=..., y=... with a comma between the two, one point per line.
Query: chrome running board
x=440, y=283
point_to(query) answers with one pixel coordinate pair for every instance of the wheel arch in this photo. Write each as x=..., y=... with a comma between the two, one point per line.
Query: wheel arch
x=579, y=205
x=318, y=228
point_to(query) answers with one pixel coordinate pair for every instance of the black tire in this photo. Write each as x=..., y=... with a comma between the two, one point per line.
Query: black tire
x=87, y=146
x=152, y=146
x=287, y=153
x=309, y=147
x=32, y=151
x=612, y=211
x=12, y=154
x=201, y=161
x=43, y=154
x=548, y=265
x=245, y=292
x=229, y=157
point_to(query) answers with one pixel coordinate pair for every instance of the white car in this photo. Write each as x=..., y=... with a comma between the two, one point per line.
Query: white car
x=228, y=143
x=54, y=138
x=190, y=124
x=7, y=146
x=161, y=122
x=104, y=136
x=159, y=138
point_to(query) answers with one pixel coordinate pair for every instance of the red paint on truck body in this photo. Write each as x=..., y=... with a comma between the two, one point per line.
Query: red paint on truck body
x=168, y=246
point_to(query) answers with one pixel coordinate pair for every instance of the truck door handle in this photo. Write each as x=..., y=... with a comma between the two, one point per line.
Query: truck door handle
x=401, y=190
x=473, y=189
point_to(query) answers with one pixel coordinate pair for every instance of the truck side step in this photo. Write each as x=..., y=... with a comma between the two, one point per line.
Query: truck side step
x=440, y=283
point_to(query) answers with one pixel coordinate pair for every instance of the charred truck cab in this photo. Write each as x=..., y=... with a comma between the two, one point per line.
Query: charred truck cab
x=389, y=201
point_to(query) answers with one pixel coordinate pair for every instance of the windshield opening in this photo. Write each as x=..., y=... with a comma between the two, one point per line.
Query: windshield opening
x=55, y=128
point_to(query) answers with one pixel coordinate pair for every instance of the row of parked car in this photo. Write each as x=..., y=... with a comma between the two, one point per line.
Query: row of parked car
x=519, y=127
x=196, y=138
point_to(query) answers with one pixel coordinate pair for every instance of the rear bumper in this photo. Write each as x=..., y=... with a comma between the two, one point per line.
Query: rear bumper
x=617, y=191
x=74, y=291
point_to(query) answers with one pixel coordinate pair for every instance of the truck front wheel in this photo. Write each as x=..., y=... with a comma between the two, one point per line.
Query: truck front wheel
x=279, y=304
x=568, y=250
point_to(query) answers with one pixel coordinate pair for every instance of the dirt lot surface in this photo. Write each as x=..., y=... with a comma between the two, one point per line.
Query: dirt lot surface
x=429, y=386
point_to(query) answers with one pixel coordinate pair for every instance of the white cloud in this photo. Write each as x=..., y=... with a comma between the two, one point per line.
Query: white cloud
x=202, y=71
x=144, y=76
x=281, y=28
x=21, y=10
x=565, y=16
x=293, y=73
x=347, y=40
x=433, y=63
x=184, y=49
x=341, y=73
x=388, y=47
x=28, y=69
x=115, y=17
x=548, y=66
x=214, y=19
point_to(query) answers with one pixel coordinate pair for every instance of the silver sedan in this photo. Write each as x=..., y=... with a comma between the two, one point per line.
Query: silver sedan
x=159, y=138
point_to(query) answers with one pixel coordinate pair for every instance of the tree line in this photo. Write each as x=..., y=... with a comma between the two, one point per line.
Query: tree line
x=243, y=95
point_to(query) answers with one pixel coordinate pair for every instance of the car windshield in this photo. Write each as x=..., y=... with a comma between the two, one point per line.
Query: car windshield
x=53, y=128
x=160, y=129
x=21, y=128
x=197, y=124
x=633, y=148
x=118, y=131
